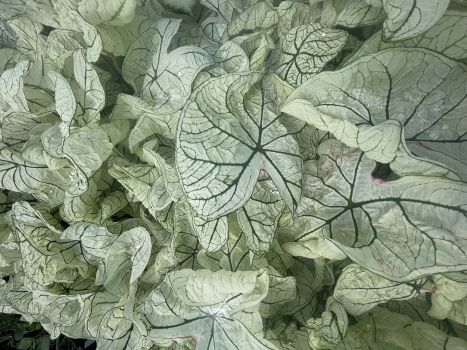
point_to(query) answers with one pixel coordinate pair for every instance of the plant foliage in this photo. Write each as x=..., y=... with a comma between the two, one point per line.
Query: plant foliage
x=235, y=174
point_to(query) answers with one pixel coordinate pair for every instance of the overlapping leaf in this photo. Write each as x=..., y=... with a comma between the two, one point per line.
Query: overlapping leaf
x=219, y=161
x=399, y=229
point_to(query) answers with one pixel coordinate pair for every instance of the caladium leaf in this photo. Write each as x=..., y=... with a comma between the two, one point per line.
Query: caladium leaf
x=211, y=234
x=11, y=89
x=282, y=290
x=406, y=19
x=379, y=99
x=65, y=102
x=144, y=183
x=330, y=328
x=19, y=175
x=450, y=299
x=214, y=26
x=378, y=327
x=306, y=50
x=218, y=167
x=44, y=255
x=259, y=217
x=447, y=36
x=360, y=215
x=207, y=309
x=126, y=260
x=130, y=107
x=167, y=83
x=258, y=16
x=91, y=96
x=116, y=13
x=7, y=35
x=234, y=255
x=359, y=290
x=94, y=241
x=350, y=14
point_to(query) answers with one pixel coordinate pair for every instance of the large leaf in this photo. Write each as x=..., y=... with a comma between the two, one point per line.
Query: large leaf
x=206, y=309
x=219, y=161
x=382, y=329
x=399, y=229
x=366, y=103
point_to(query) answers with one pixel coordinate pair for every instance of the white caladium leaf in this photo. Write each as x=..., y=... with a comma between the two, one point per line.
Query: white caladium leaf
x=63, y=310
x=450, y=299
x=8, y=58
x=259, y=217
x=126, y=260
x=117, y=40
x=140, y=53
x=130, y=107
x=378, y=98
x=65, y=102
x=91, y=96
x=360, y=290
x=20, y=175
x=407, y=19
x=230, y=58
x=207, y=309
x=306, y=50
x=314, y=247
x=234, y=255
x=361, y=216
x=7, y=35
x=293, y=14
x=211, y=234
x=80, y=141
x=259, y=16
x=218, y=161
x=350, y=13
x=215, y=26
x=44, y=255
x=17, y=129
x=330, y=328
x=380, y=328
x=448, y=37
x=114, y=13
x=94, y=241
x=168, y=81
x=11, y=89
x=71, y=20
x=144, y=183
x=169, y=174
x=282, y=290
x=40, y=10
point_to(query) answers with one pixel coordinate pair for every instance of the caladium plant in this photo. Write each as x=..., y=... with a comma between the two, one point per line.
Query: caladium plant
x=232, y=174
